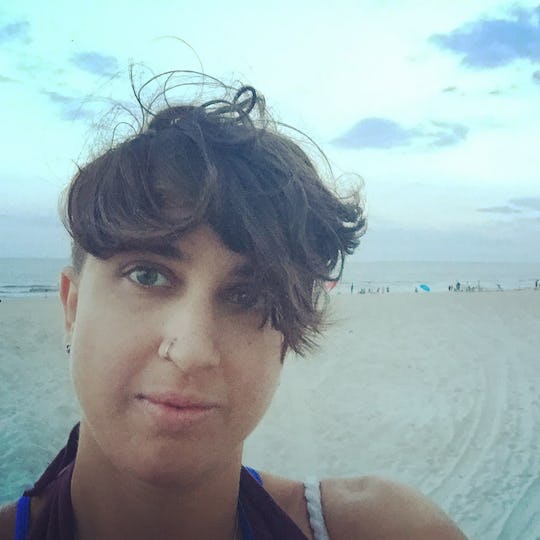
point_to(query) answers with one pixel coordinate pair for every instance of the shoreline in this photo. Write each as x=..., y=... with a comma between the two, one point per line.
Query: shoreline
x=344, y=292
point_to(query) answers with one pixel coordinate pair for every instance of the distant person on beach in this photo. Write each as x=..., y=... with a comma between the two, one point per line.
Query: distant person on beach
x=201, y=246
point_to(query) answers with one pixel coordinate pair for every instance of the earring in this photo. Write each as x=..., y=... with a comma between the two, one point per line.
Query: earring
x=68, y=348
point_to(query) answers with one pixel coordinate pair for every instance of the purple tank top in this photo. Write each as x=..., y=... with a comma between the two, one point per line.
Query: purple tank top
x=260, y=513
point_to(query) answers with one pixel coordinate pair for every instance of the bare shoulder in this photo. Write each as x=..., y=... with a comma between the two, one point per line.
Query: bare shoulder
x=375, y=508
x=289, y=495
x=7, y=520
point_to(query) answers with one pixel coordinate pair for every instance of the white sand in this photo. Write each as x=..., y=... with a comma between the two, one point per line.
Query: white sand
x=439, y=391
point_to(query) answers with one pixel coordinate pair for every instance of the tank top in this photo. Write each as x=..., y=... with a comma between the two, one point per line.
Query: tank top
x=260, y=516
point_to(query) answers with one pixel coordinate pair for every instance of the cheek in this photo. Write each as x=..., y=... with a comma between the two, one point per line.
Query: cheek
x=103, y=360
x=256, y=374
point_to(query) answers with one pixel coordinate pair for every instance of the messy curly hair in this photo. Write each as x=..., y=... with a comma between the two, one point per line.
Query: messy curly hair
x=225, y=163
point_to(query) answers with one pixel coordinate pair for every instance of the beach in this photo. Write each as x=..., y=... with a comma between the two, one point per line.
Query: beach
x=437, y=390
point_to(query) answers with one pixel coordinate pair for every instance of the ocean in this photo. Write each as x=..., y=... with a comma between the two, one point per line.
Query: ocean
x=407, y=276
x=39, y=277
x=29, y=277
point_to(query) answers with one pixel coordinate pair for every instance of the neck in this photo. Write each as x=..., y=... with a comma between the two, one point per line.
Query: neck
x=110, y=503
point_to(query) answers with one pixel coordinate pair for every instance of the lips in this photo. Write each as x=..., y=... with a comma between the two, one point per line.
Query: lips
x=176, y=414
x=176, y=401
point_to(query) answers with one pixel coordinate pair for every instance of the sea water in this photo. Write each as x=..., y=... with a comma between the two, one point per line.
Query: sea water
x=438, y=276
x=30, y=276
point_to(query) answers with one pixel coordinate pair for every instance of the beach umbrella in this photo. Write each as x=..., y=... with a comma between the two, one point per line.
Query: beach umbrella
x=424, y=287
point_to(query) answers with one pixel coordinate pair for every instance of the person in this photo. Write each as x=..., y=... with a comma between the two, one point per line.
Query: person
x=200, y=249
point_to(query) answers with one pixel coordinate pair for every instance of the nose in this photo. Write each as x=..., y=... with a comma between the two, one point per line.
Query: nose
x=191, y=336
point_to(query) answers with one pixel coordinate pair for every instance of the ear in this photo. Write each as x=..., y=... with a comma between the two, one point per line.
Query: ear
x=69, y=294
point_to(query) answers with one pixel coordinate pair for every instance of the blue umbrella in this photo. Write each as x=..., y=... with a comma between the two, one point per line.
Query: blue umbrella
x=424, y=287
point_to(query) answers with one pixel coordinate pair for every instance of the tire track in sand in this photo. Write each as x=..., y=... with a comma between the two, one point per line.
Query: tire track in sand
x=473, y=440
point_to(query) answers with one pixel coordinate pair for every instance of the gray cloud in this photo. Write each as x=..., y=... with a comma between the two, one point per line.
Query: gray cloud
x=536, y=76
x=489, y=43
x=18, y=30
x=4, y=79
x=96, y=63
x=449, y=89
x=71, y=108
x=500, y=210
x=527, y=202
x=376, y=132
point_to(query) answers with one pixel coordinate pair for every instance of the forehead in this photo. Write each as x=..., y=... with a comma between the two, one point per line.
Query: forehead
x=203, y=243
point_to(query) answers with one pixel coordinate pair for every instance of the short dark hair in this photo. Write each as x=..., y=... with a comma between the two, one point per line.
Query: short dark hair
x=224, y=163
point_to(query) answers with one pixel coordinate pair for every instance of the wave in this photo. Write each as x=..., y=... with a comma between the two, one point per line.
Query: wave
x=31, y=289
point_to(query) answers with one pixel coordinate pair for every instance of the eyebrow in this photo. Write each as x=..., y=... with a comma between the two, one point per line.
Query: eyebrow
x=243, y=269
x=169, y=251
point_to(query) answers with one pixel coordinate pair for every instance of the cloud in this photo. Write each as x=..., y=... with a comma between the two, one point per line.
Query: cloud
x=444, y=133
x=490, y=43
x=376, y=132
x=449, y=89
x=4, y=79
x=536, y=76
x=500, y=210
x=527, y=202
x=18, y=30
x=515, y=206
x=96, y=63
x=71, y=108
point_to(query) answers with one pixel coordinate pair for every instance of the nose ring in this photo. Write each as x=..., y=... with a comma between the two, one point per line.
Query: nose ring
x=167, y=346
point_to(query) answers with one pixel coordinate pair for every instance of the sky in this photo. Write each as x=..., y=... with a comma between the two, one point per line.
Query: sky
x=432, y=107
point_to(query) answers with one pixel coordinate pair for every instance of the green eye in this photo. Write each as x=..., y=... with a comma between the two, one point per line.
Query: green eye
x=148, y=277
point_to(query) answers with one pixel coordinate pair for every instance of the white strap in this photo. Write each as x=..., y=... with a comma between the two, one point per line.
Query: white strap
x=312, y=493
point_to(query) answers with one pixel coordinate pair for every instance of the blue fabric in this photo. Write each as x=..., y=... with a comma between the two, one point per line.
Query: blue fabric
x=245, y=527
x=23, y=518
x=255, y=474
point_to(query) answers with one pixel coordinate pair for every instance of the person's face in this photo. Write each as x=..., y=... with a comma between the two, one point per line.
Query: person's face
x=157, y=413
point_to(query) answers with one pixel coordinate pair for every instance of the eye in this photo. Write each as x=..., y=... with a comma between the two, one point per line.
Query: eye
x=245, y=297
x=147, y=276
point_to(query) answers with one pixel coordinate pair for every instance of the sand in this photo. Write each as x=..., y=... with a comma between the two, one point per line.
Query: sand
x=439, y=391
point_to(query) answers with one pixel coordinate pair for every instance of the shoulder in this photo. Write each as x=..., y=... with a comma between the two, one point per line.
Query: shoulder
x=373, y=507
x=289, y=495
x=7, y=520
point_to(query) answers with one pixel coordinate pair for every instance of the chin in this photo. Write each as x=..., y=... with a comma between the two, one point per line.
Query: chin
x=169, y=466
